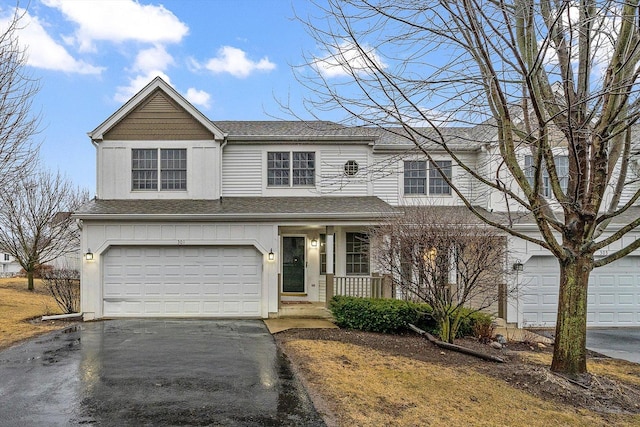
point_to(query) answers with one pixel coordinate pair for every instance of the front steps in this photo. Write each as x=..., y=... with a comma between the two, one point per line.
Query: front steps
x=302, y=310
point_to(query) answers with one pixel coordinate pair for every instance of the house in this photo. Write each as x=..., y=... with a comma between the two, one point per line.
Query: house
x=9, y=267
x=194, y=217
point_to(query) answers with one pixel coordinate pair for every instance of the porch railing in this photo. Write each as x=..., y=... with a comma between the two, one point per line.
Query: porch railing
x=359, y=286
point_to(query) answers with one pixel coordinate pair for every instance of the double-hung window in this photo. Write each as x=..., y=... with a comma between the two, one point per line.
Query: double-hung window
x=287, y=169
x=168, y=174
x=418, y=179
x=357, y=253
x=562, y=169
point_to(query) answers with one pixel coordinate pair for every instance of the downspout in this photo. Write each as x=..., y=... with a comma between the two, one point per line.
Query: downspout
x=222, y=145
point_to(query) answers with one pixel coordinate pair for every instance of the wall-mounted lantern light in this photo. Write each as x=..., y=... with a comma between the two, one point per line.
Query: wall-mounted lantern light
x=314, y=243
x=518, y=266
x=272, y=256
x=89, y=255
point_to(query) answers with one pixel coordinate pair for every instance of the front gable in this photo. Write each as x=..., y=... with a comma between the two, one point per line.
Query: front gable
x=158, y=117
x=157, y=112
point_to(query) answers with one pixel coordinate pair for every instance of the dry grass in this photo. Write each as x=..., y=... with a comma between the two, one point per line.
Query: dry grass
x=618, y=369
x=18, y=305
x=406, y=392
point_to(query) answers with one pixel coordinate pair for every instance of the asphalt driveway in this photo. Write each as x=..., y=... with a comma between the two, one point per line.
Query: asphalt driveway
x=152, y=372
x=621, y=343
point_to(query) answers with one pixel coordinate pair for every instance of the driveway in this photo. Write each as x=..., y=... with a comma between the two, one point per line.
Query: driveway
x=621, y=343
x=152, y=372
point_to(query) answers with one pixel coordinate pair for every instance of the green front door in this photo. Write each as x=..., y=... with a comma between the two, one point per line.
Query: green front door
x=293, y=264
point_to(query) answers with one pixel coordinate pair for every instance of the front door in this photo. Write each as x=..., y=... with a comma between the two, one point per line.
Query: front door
x=293, y=264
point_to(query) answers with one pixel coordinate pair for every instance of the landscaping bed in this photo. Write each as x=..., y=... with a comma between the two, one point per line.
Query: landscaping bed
x=610, y=395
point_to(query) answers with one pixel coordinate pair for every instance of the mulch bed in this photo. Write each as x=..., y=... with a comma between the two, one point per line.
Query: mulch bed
x=596, y=393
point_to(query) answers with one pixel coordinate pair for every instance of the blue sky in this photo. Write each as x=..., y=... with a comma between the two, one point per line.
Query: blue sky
x=231, y=59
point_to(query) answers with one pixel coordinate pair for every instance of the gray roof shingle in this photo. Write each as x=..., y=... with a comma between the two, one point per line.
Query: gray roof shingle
x=241, y=207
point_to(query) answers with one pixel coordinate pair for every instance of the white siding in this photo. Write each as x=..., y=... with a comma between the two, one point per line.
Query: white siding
x=385, y=173
x=242, y=171
x=114, y=170
x=333, y=180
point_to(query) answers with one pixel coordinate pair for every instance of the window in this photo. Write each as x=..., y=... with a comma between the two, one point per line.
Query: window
x=562, y=169
x=351, y=168
x=323, y=254
x=173, y=169
x=357, y=253
x=415, y=177
x=299, y=165
x=437, y=184
x=144, y=169
x=6, y=257
x=278, y=169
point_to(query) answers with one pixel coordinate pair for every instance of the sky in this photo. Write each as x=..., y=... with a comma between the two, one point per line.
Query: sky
x=230, y=58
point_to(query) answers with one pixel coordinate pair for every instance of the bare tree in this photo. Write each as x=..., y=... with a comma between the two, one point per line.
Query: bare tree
x=445, y=258
x=18, y=126
x=36, y=226
x=538, y=76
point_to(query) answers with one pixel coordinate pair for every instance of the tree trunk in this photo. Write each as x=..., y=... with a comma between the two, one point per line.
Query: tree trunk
x=570, y=350
x=30, y=280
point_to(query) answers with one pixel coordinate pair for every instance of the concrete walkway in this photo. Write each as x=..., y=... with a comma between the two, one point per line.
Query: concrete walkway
x=279, y=325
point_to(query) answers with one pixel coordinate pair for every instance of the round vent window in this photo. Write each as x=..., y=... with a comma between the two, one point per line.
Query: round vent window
x=351, y=168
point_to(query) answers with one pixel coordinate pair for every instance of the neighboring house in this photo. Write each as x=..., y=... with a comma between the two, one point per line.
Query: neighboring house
x=9, y=267
x=195, y=217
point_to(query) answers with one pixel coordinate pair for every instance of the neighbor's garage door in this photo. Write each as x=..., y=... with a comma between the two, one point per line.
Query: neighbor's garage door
x=208, y=281
x=614, y=293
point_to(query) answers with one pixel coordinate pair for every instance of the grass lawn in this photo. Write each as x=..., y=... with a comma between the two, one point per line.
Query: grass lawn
x=365, y=387
x=18, y=305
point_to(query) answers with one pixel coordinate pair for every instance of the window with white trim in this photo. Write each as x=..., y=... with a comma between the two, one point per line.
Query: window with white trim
x=287, y=169
x=419, y=180
x=323, y=254
x=562, y=170
x=6, y=257
x=169, y=174
x=357, y=253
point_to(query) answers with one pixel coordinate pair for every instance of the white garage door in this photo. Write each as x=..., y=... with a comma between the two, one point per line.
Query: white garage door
x=179, y=281
x=614, y=293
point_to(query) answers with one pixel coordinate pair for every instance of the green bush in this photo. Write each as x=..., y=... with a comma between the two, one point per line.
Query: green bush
x=376, y=315
x=469, y=321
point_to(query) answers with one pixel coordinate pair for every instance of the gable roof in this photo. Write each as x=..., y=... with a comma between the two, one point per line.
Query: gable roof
x=156, y=84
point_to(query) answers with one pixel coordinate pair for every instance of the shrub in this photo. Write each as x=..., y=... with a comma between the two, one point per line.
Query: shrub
x=472, y=321
x=376, y=315
x=64, y=286
x=39, y=272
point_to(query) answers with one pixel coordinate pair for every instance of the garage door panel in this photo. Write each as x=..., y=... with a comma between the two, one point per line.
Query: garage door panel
x=182, y=281
x=613, y=299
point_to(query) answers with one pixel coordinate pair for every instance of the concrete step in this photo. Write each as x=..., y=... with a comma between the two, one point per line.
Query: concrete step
x=308, y=311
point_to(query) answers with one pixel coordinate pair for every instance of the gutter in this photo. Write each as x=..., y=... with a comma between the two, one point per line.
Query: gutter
x=62, y=316
x=237, y=216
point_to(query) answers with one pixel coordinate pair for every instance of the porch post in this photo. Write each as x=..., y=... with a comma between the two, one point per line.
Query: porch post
x=330, y=272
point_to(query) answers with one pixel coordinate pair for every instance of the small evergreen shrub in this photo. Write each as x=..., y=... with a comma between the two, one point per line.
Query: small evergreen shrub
x=376, y=315
x=471, y=322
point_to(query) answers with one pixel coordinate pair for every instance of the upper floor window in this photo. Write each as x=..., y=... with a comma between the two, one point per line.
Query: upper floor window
x=285, y=169
x=172, y=174
x=417, y=179
x=357, y=253
x=562, y=169
x=6, y=257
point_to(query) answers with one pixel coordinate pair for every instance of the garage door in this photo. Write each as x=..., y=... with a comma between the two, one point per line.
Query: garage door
x=179, y=281
x=614, y=293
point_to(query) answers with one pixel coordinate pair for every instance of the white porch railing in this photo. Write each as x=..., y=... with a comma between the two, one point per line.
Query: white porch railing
x=358, y=286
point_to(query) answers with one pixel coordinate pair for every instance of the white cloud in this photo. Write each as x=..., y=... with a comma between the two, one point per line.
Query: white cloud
x=124, y=93
x=198, y=97
x=235, y=62
x=154, y=58
x=43, y=51
x=348, y=59
x=119, y=21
